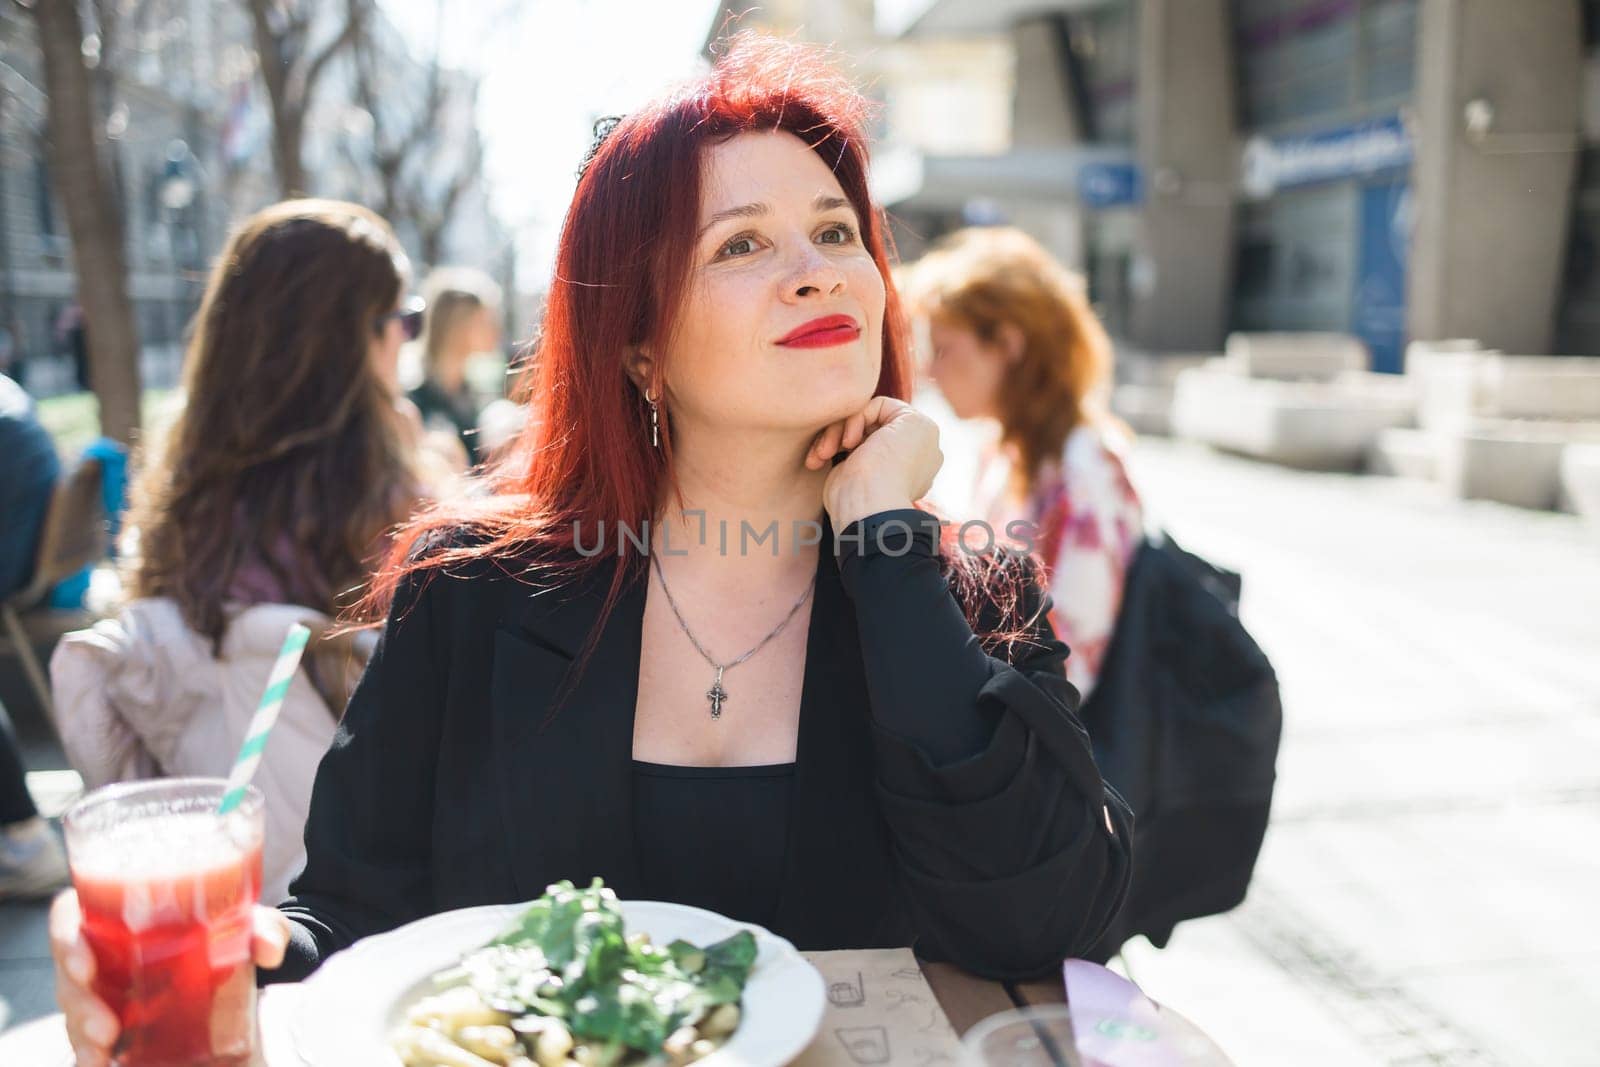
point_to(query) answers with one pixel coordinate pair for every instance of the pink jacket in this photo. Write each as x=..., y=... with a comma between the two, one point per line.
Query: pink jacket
x=141, y=696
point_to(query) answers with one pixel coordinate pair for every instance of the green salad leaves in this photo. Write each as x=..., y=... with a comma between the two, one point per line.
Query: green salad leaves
x=568, y=957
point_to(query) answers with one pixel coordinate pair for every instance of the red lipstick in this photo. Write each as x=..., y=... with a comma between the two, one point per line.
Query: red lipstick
x=822, y=333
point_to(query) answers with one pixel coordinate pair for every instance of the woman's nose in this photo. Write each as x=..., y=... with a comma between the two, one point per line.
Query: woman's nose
x=813, y=275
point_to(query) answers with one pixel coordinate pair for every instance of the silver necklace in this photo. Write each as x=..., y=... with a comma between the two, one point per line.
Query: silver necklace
x=716, y=694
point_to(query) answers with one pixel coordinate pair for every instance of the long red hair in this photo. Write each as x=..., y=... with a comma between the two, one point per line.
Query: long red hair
x=621, y=268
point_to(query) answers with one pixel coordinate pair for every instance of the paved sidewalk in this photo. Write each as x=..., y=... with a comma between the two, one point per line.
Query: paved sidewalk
x=26, y=980
x=1427, y=889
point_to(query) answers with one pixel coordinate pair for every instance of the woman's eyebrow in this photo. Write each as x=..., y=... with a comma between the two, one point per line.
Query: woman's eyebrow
x=743, y=211
x=823, y=202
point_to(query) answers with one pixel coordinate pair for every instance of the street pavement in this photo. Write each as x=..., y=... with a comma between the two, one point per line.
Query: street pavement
x=1429, y=890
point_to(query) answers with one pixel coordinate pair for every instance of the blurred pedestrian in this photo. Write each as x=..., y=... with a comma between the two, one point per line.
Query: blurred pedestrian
x=31, y=860
x=266, y=504
x=72, y=337
x=463, y=320
x=1012, y=338
x=29, y=470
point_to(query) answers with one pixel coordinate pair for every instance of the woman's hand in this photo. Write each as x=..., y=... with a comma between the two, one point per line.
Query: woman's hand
x=92, y=1027
x=894, y=454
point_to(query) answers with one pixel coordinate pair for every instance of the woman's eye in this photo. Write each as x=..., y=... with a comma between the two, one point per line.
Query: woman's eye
x=738, y=246
x=842, y=231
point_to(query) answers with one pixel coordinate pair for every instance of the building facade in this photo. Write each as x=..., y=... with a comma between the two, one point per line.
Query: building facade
x=188, y=131
x=165, y=145
x=1393, y=169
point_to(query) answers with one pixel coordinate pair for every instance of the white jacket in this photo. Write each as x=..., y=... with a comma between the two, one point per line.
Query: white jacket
x=141, y=696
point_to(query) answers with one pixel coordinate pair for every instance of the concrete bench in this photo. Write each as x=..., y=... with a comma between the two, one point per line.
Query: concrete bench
x=1143, y=395
x=1513, y=461
x=1454, y=388
x=1405, y=452
x=1580, y=481
x=1308, y=356
x=1313, y=425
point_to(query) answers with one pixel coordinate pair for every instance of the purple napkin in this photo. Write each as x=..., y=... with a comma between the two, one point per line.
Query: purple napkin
x=1116, y=1025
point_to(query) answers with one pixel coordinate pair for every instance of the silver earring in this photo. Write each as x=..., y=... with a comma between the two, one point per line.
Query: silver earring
x=655, y=420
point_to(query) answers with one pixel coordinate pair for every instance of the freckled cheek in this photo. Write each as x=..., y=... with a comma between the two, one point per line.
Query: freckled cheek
x=724, y=320
x=866, y=284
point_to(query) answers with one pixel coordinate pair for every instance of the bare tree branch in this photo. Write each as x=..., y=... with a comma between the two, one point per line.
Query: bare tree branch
x=408, y=145
x=355, y=21
x=290, y=75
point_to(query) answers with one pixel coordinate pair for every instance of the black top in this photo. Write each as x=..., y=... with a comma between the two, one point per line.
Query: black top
x=713, y=837
x=942, y=797
x=458, y=409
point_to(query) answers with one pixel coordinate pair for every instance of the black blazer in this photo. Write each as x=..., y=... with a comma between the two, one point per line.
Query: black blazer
x=446, y=787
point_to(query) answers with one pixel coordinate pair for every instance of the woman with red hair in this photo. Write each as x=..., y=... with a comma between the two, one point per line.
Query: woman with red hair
x=699, y=641
x=1012, y=338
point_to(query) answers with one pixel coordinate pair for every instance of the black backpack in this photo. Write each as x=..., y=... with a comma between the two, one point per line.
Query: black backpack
x=1185, y=721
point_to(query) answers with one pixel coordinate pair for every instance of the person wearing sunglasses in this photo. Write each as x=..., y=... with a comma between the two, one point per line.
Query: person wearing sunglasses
x=409, y=315
x=392, y=330
x=463, y=320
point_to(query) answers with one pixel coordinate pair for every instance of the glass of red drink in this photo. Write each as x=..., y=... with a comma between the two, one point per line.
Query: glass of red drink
x=166, y=887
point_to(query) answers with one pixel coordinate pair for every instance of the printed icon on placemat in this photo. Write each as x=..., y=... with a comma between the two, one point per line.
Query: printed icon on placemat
x=848, y=994
x=866, y=1044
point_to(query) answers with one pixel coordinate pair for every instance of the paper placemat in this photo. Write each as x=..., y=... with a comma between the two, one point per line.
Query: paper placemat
x=880, y=1010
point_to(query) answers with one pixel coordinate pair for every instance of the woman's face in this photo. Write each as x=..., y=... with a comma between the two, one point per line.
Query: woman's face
x=483, y=330
x=967, y=369
x=782, y=324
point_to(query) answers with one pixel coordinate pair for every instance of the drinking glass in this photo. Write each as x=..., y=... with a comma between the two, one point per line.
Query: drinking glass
x=1027, y=1037
x=167, y=887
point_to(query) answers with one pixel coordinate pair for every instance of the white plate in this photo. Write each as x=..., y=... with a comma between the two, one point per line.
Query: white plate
x=350, y=1003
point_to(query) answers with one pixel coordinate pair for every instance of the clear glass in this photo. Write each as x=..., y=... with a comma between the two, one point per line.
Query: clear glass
x=1027, y=1037
x=167, y=887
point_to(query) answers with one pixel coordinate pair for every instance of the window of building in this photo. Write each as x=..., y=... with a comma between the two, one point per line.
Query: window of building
x=1296, y=260
x=44, y=208
x=1104, y=47
x=1308, y=62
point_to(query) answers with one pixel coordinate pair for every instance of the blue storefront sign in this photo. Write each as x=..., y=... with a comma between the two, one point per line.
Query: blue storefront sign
x=1359, y=150
x=1378, y=310
x=1106, y=185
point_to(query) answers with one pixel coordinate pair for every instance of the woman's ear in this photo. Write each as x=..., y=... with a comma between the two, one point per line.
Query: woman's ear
x=640, y=369
x=1011, y=341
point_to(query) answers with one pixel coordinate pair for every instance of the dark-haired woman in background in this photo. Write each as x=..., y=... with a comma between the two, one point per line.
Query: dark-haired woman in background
x=267, y=502
x=858, y=741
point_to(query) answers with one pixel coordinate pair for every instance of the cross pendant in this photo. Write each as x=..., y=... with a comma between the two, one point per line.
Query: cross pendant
x=716, y=694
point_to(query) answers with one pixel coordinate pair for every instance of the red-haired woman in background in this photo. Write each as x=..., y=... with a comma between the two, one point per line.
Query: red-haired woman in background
x=1013, y=339
x=861, y=742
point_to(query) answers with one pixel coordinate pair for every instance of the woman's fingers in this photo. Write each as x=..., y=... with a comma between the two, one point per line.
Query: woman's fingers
x=72, y=955
x=86, y=1055
x=854, y=430
x=270, y=937
x=91, y=1025
x=826, y=446
x=848, y=433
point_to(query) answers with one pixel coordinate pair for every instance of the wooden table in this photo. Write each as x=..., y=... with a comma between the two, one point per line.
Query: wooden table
x=965, y=1000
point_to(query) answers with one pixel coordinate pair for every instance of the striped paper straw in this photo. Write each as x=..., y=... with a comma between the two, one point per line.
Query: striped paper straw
x=255, y=739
